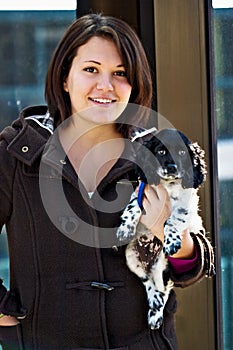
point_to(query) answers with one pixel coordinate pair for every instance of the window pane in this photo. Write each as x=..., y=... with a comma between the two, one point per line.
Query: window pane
x=25, y=50
x=223, y=48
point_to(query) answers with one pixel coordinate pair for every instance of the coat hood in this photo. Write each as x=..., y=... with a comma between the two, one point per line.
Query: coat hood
x=28, y=134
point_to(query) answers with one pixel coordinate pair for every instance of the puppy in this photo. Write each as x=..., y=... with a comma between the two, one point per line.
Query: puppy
x=171, y=159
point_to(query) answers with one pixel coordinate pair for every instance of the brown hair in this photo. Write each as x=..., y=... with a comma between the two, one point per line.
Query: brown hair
x=130, y=49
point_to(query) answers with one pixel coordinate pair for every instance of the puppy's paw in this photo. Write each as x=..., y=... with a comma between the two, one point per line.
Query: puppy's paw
x=129, y=221
x=156, y=306
x=155, y=319
x=126, y=232
x=172, y=240
x=172, y=248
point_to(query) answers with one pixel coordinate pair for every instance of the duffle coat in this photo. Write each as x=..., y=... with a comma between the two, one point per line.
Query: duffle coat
x=69, y=283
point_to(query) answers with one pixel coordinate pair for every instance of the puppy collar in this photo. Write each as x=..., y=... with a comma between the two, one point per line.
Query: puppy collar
x=140, y=194
x=142, y=184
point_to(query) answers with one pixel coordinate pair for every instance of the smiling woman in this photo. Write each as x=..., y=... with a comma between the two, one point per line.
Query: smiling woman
x=97, y=78
x=134, y=67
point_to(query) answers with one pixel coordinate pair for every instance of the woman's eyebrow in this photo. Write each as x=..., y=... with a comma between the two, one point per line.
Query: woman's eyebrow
x=99, y=63
x=92, y=61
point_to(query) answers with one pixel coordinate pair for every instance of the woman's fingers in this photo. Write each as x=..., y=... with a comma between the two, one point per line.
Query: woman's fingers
x=157, y=209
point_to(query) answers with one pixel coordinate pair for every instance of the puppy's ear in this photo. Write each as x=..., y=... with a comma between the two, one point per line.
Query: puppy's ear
x=147, y=175
x=145, y=163
x=140, y=174
x=198, y=162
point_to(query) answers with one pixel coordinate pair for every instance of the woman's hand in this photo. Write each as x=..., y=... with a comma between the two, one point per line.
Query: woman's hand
x=8, y=321
x=157, y=209
x=187, y=250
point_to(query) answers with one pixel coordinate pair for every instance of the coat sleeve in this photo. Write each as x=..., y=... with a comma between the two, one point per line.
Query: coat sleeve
x=148, y=251
x=7, y=171
x=205, y=264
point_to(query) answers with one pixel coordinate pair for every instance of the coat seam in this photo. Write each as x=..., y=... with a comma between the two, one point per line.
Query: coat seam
x=36, y=264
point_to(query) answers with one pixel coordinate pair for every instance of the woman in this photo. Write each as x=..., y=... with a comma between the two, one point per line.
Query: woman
x=70, y=287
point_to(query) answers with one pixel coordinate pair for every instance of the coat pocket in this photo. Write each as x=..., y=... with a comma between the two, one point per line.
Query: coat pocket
x=11, y=337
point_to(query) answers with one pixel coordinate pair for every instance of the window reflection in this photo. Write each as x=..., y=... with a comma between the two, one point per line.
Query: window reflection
x=223, y=48
x=25, y=50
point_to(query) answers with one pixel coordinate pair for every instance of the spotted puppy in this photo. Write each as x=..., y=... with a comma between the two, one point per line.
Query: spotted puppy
x=171, y=159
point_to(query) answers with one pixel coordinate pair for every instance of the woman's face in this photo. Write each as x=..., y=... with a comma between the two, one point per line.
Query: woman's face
x=97, y=82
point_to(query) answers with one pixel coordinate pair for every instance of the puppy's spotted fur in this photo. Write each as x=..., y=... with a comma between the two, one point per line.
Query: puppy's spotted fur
x=172, y=160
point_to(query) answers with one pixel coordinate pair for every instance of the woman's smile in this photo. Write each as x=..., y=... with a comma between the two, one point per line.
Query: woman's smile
x=105, y=101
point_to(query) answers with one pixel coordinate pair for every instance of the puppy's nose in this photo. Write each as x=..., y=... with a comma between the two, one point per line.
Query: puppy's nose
x=172, y=168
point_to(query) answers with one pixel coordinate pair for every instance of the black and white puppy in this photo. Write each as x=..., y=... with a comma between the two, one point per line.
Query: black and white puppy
x=171, y=159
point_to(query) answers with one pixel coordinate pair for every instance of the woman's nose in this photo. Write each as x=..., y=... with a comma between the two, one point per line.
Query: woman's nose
x=105, y=83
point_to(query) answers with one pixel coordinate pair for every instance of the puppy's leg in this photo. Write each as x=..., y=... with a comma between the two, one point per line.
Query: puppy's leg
x=157, y=286
x=158, y=293
x=174, y=227
x=135, y=265
x=129, y=220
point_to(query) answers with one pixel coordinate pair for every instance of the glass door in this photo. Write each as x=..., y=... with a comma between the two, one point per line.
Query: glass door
x=223, y=72
x=31, y=30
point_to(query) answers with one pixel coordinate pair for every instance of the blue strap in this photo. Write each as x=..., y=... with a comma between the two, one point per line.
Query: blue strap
x=140, y=194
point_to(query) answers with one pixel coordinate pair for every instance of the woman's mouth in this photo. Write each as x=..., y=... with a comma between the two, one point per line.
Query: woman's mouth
x=101, y=100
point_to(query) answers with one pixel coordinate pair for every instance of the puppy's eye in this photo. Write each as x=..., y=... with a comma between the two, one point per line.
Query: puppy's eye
x=182, y=153
x=162, y=152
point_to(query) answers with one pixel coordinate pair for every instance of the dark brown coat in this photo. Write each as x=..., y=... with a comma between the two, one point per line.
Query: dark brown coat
x=68, y=283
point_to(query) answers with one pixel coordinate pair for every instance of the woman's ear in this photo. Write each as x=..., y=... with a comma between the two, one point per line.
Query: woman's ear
x=65, y=85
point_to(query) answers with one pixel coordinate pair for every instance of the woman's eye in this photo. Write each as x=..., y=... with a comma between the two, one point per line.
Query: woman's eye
x=120, y=73
x=90, y=69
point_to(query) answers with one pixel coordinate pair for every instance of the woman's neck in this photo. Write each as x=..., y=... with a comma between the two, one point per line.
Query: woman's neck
x=92, y=152
x=86, y=134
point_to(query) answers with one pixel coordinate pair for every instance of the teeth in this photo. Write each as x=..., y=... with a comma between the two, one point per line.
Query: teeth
x=102, y=100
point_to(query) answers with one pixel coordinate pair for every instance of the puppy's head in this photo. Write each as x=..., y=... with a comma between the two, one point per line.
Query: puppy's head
x=171, y=156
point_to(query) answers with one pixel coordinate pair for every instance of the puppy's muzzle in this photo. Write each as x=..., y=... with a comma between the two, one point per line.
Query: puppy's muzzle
x=170, y=172
x=171, y=169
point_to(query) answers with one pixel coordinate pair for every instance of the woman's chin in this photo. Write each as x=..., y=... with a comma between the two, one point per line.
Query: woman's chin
x=101, y=114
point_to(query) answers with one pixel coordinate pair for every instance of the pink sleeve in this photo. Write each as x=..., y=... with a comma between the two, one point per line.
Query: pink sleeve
x=180, y=266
